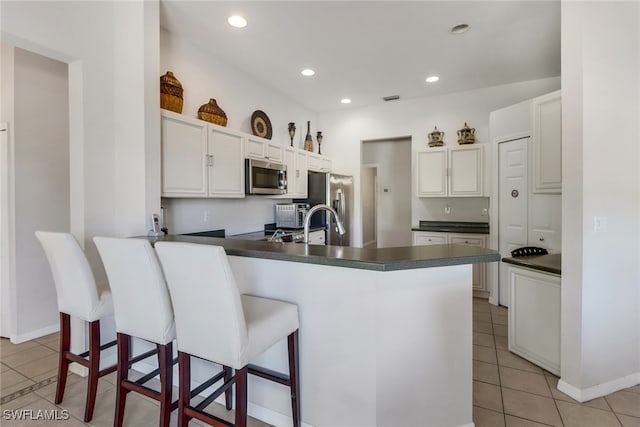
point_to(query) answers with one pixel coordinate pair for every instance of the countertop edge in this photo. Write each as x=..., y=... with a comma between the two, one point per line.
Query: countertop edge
x=345, y=257
x=535, y=267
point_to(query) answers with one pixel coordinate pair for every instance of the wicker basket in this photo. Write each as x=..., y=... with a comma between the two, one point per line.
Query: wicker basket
x=212, y=113
x=171, y=93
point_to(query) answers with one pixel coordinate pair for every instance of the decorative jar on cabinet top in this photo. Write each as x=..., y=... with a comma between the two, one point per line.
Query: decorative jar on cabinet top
x=171, y=93
x=212, y=113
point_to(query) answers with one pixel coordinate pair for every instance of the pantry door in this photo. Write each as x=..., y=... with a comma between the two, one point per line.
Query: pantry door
x=513, y=191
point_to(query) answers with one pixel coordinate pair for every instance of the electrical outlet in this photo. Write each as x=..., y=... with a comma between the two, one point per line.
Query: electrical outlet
x=485, y=212
x=447, y=210
x=205, y=216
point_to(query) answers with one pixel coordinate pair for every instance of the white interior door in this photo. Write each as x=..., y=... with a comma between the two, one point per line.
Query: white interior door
x=512, y=232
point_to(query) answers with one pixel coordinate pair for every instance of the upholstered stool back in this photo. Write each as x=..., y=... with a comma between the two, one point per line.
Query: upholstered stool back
x=142, y=305
x=75, y=284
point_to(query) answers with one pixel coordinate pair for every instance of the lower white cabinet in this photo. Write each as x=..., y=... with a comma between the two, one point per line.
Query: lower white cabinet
x=534, y=317
x=436, y=238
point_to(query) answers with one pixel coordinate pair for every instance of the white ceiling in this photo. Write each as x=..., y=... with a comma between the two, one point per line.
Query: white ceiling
x=366, y=50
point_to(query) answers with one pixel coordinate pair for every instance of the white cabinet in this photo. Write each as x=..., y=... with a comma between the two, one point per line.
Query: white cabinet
x=546, y=144
x=296, y=162
x=200, y=159
x=437, y=238
x=453, y=172
x=263, y=149
x=534, y=317
x=318, y=163
x=226, y=162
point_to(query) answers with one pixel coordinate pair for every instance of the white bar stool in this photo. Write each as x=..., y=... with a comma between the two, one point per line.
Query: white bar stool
x=78, y=296
x=214, y=322
x=142, y=309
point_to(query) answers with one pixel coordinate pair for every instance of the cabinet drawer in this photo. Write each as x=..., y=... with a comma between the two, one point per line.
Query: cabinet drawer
x=471, y=241
x=428, y=239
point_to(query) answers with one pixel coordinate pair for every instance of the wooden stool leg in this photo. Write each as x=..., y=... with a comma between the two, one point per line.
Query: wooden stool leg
x=294, y=379
x=124, y=345
x=227, y=394
x=241, y=397
x=94, y=368
x=165, y=362
x=184, y=391
x=63, y=362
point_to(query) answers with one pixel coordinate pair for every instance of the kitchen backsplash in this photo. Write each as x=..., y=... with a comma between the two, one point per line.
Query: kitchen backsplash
x=470, y=209
x=234, y=215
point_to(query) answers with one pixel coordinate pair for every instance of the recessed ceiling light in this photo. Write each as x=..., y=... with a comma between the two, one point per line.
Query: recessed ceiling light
x=459, y=29
x=432, y=79
x=237, y=21
x=345, y=101
x=308, y=72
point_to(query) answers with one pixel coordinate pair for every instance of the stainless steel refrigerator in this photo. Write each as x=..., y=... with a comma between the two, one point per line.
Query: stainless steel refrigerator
x=337, y=192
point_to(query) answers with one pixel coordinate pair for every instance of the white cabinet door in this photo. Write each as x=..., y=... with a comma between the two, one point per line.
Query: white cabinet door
x=534, y=317
x=263, y=149
x=431, y=168
x=184, y=156
x=465, y=171
x=421, y=238
x=301, y=177
x=478, y=269
x=546, y=144
x=226, y=163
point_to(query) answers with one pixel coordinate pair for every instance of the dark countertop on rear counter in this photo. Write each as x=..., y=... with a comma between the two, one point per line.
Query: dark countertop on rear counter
x=384, y=259
x=546, y=263
x=453, y=227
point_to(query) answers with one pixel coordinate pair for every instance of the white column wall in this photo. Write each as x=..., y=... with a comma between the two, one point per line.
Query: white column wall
x=112, y=49
x=601, y=281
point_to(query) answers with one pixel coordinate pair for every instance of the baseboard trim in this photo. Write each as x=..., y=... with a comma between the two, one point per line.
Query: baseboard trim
x=589, y=393
x=38, y=333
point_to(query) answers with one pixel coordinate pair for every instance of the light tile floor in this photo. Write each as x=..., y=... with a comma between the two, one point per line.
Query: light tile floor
x=28, y=383
x=507, y=390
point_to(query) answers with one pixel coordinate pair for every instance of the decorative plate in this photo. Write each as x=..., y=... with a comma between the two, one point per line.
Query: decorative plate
x=261, y=125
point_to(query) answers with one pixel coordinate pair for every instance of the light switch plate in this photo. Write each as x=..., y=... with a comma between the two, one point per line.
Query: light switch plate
x=599, y=224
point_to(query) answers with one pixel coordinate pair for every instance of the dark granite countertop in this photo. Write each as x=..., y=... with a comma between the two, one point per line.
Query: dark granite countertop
x=384, y=259
x=546, y=263
x=453, y=227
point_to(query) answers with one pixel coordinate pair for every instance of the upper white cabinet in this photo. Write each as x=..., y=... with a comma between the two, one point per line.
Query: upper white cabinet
x=318, y=163
x=200, y=159
x=546, y=144
x=296, y=162
x=226, y=163
x=454, y=172
x=263, y=149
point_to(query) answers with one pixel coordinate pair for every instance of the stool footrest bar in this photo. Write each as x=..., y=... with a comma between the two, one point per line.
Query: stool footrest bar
x=269, y=374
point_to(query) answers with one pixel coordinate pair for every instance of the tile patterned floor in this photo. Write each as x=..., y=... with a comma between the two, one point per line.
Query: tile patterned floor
x=28, y=383
x=508, y=391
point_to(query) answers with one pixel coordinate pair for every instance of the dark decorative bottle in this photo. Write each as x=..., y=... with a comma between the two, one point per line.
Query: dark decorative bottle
x=308, y=142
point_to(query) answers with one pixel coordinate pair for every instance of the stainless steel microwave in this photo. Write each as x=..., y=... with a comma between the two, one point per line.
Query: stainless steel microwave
x=265, y=177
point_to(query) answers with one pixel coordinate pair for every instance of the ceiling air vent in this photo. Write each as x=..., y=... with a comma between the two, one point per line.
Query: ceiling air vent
x=391, y=98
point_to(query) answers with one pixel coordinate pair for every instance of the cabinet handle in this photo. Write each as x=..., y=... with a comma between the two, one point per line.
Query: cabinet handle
x=210, y=160
x=297, y=173
x=466, y=242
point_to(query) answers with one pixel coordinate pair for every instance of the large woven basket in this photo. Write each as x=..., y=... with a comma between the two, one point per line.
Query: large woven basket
x=171, y=93
x=212, y=113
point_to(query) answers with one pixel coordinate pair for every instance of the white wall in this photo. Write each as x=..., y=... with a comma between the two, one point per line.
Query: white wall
x=601, y=281
x=112, y=51
x=239, y=95
x=345, y=129
x=41, y=181
x=394, y=190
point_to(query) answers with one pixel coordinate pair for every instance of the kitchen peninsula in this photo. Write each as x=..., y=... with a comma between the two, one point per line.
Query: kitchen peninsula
x=385, y=334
